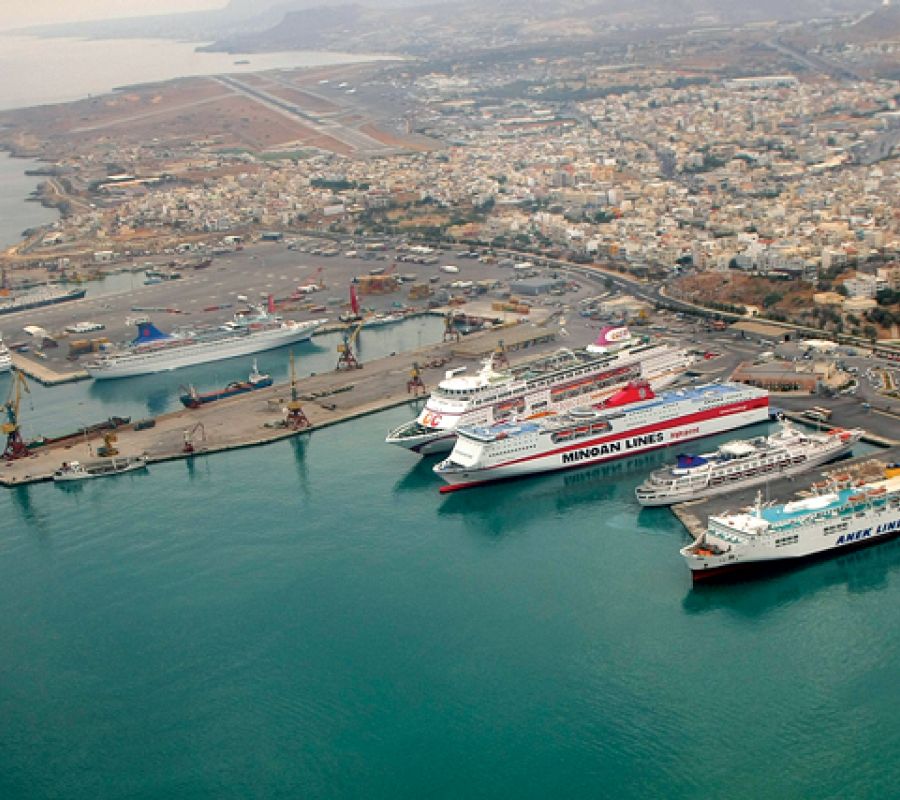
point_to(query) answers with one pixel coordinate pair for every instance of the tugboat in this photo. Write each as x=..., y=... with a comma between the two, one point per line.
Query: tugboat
x=256, y=380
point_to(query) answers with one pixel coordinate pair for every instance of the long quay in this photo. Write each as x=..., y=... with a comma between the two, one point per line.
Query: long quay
x=252, y=419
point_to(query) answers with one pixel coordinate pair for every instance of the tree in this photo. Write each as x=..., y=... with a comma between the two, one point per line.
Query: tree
x=772, y=298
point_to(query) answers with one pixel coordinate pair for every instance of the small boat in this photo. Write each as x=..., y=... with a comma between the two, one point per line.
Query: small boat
x=256, y=380
x=82, y=470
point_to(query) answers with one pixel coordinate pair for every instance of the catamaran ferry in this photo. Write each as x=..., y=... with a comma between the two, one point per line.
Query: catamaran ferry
x=824, y=524
x=632, y=421
x=739, y=464
x=567, y=379
x=154, y=351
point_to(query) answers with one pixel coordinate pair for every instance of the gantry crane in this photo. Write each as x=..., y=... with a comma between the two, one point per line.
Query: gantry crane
x=415, y=385
x=189, y=437
x=346, y=355
x=15, y=446
x=295, y=418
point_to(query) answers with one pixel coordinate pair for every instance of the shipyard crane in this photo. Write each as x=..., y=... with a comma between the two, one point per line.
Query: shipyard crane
x=415, y=384
x=190, y=437
x=108, y=448
x=295, y=418
x=346, y=355
x=15, y=446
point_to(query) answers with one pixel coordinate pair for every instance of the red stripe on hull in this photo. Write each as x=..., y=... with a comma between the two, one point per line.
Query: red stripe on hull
x=454, y=487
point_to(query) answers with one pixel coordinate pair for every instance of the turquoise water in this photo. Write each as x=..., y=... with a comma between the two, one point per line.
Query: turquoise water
x=312, y=619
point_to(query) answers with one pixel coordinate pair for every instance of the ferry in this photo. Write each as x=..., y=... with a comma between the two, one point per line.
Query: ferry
x=781, y=535
x=634, y=420
x=38, y=298
x=152, y=351
x=549, y=385
x=743, y=463
x=256, y=380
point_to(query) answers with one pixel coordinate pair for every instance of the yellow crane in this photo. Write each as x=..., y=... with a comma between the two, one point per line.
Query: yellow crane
x=296, y=418
x=346, y=356
x=15, y=446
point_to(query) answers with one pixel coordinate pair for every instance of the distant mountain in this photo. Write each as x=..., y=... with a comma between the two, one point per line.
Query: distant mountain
x=417, y=27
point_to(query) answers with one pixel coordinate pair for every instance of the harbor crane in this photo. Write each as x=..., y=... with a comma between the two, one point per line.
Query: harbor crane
x=15, y=446
x=108, y=448
x=191, y=435
x=451, y=334
x=415, y=385
x=347, y=358
x=296, y=418
x=499, y=359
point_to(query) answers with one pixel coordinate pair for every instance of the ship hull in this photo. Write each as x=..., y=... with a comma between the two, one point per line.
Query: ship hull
x=626, y=443
x=761, y=568
x=197, y=400
x=682, y=496
x=131, y=365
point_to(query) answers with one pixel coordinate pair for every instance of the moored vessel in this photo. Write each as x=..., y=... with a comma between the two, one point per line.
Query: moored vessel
x=98, y=468
x=780, y=535
x=632, y=421
x=5, y=358
x=248, y=332
x=547, y=385
x=743, y=463
x=256, y=380
x=38, y=298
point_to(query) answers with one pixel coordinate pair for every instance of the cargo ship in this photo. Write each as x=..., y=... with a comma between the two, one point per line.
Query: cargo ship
x=549, y=385
x=37, y=298
x=256, y=380
x=744, y=463
x=634, y=420
x=773, y=536
x=249, y=332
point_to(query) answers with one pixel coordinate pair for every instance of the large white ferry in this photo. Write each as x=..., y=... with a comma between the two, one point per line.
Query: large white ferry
x=823, y=524
x=559, y=382
x=632, y=421
x=155, y=351
x=743, y=463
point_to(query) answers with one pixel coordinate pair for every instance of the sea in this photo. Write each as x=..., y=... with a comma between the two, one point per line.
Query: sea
x=312, y=619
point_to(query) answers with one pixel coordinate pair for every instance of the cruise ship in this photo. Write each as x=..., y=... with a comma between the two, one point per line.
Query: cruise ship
x=779, y=535
x=559, y=382
x=744, y=463
x=632, y=421
x=154, y=351
x=38, y=298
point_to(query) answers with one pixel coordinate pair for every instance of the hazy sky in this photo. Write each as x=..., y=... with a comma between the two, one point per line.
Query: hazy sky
x=18, y=13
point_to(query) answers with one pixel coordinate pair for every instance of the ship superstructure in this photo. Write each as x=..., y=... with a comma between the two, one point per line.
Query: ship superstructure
x=559, y=382
x=632, y=421
x=743, y=463
x=826, y=523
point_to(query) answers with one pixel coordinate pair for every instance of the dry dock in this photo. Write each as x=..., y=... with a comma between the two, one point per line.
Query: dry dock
x=246, y=420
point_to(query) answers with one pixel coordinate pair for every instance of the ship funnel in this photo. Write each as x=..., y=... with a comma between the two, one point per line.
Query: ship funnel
x=611, y=336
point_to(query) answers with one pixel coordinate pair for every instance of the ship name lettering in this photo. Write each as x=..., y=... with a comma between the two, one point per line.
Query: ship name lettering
x=887, y=527
x=854, y=537
x=591, y=452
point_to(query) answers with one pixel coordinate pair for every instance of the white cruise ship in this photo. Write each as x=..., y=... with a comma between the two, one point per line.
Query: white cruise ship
x=559, y=382
x=155, y=351
x=743, y=463
x=769, y=536
x=632, y=421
